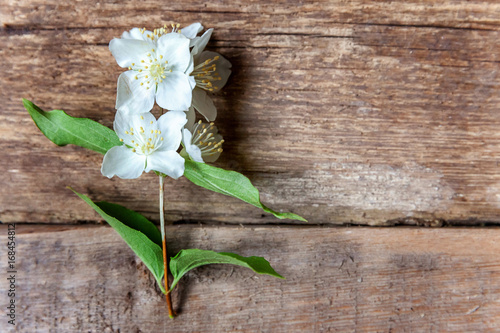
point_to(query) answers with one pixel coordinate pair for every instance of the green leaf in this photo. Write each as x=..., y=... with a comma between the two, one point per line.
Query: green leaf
x=187, y=260
x=132, y=219
x=230, y=183
x=62, y=129
x=136, y=231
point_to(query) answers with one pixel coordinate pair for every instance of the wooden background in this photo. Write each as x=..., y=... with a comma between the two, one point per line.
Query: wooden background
x=371, y=113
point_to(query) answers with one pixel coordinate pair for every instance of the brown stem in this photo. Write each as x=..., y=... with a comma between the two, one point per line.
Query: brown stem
x=171, y=312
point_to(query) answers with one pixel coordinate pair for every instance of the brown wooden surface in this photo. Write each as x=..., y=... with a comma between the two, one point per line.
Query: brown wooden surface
x=344, y=112
x=76, y=279
x=364, y=112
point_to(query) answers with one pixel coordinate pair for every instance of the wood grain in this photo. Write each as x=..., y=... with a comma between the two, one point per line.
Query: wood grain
x=338, y=280
x=345, y=112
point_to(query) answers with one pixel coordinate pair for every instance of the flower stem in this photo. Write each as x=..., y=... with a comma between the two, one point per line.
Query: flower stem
x=171, y=312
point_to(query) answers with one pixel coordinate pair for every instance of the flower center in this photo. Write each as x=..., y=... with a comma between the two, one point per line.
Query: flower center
x=204, y=137
x=157, y=71
x=144, y=142
x=151, y=70
x=205, y=73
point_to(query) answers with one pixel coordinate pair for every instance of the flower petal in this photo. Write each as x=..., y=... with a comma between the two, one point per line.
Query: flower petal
x=222, y=66
x=123, y=91
x=167, y=162
x=175, y=92
x=199, y=43
x=144, y=126
x=127, y=51
x=145, y=120
x=204, y=104
x=191, y=118
x=135, y=33
x=170, y=125
x=212, y=158
x=190, y=67
x=187, y=136
x=193, y=151
x=131, y=96
x=174, y=48
x=130, y=126
x=192, y=81
x=192, y=30
x=121, y=125
x=189, y=70
x=122, y=162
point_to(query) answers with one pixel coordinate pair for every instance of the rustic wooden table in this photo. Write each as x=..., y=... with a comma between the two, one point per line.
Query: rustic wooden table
x=348, y=113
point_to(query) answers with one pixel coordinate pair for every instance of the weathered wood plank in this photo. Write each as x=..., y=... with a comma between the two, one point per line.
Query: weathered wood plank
x=361, y=112
x=261, y=15
x=338, y=279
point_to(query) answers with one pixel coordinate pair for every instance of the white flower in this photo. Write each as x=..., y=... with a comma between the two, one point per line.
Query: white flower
x=152, y=36
x=202, y=142
x=159, y=64
x=148, y=145
x=211, y=71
